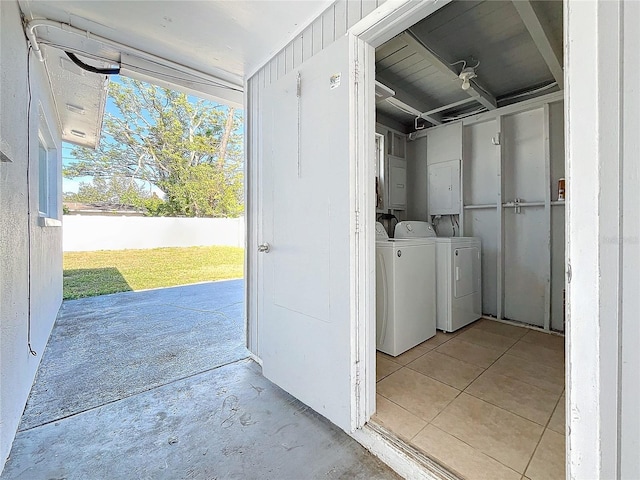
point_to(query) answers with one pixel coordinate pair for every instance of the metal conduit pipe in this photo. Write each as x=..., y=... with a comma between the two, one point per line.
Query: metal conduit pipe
x=31, y=27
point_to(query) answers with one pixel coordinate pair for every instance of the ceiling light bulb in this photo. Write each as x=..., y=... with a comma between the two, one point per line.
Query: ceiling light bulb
x=466, y=75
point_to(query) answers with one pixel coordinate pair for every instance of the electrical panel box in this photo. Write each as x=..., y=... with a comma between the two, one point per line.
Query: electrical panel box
x=444, y=188
x=397, y=181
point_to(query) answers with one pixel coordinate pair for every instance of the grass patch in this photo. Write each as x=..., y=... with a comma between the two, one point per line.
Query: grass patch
x=88, y=274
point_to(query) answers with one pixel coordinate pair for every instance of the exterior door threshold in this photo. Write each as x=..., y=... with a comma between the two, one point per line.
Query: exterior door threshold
x=406, y=460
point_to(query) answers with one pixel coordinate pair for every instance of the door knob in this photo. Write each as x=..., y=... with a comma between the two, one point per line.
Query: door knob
x=264, y=247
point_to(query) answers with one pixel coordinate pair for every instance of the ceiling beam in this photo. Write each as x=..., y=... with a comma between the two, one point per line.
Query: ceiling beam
x=475, y=90
x=450, y=106
x=403, y=99
x=540, y=32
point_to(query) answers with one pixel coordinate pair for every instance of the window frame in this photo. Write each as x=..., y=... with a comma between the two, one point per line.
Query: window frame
x=48, y=172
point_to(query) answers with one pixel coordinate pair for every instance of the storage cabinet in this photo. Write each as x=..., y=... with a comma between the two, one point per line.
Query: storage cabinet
x=392, y=170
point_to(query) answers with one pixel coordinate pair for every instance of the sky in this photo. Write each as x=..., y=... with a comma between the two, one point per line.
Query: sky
x=72, y=184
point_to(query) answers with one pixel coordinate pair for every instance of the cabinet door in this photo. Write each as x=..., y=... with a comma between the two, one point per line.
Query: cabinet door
x=399, y=143
x=397, y=183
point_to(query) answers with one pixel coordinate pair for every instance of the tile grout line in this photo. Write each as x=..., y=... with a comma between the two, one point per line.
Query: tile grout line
x=496, y=406
x=485, y=369
x=546, y=427
x=474, y=448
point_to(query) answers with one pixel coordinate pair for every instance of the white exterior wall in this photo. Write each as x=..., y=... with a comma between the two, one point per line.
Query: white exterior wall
x=89, y=233
x=603, y=165
x=17, y=365
x=322, y=32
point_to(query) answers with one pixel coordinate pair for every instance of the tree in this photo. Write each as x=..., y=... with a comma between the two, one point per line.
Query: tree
x=118, y=191
x=192, y=151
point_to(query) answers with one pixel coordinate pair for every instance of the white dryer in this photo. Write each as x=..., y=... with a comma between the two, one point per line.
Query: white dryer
x=405, y=292
x=458, y=275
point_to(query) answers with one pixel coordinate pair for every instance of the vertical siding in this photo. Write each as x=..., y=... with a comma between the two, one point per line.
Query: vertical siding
x=316, y=36
x=333, y=23
x=328, y=27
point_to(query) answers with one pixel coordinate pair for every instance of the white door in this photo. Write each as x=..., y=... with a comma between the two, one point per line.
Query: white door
x=307, y=277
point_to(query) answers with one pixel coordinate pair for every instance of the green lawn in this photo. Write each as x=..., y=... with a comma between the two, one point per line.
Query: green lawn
x=87, y=274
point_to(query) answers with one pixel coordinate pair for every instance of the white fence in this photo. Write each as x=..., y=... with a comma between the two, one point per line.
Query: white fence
x=87, y=233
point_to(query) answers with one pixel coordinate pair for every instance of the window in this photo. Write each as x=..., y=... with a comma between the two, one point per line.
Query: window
x=47, y=182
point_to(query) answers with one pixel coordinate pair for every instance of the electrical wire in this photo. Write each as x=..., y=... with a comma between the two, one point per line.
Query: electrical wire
x=531, y=92
x=204, y=82
x=31, y=350
x=400, y=108
x=91, y=68
x=465, y=64
x=460, y=61
x=467, y=114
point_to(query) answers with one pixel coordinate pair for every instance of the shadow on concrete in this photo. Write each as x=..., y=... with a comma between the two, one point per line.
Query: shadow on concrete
x=89, y=282
x=110, y=347
x=157, y=385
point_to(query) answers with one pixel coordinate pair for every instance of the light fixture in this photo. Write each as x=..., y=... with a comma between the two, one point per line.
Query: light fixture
x=466, y=75
x=75, y=109
x=78, y=133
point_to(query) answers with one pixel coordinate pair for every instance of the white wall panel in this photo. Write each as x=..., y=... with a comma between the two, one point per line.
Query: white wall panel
x=523, y=140
x=525, y=274
x=484, y=224
x=316, y=36
x=556, y=140
x=525, y=233
x=444, y=143
x=557, y=268
x=480, y=164
x=328, y=27
x=340, y=9
x=417, y=179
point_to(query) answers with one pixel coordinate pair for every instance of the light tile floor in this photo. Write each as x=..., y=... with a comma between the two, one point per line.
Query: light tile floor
x=486, y=402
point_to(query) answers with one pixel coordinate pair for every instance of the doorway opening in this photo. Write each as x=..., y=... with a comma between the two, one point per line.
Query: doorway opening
x=470, y=126
x=153, y=221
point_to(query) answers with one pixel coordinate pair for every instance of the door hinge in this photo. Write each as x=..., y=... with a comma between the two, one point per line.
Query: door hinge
x=357, y=221
x=356, y=72
x=298, y=85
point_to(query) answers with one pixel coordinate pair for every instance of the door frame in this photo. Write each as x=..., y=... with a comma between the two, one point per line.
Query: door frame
x=592, y=367
x=588, y=452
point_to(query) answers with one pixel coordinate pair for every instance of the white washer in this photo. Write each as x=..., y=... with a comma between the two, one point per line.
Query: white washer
x=458, y=275
x=405, y=292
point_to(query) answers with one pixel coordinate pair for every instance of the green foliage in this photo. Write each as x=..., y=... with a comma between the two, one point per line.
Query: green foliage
x=192, y=151
x=116, y=190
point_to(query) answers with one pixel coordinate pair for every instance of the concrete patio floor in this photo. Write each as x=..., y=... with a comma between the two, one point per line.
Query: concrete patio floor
x=158, y=385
